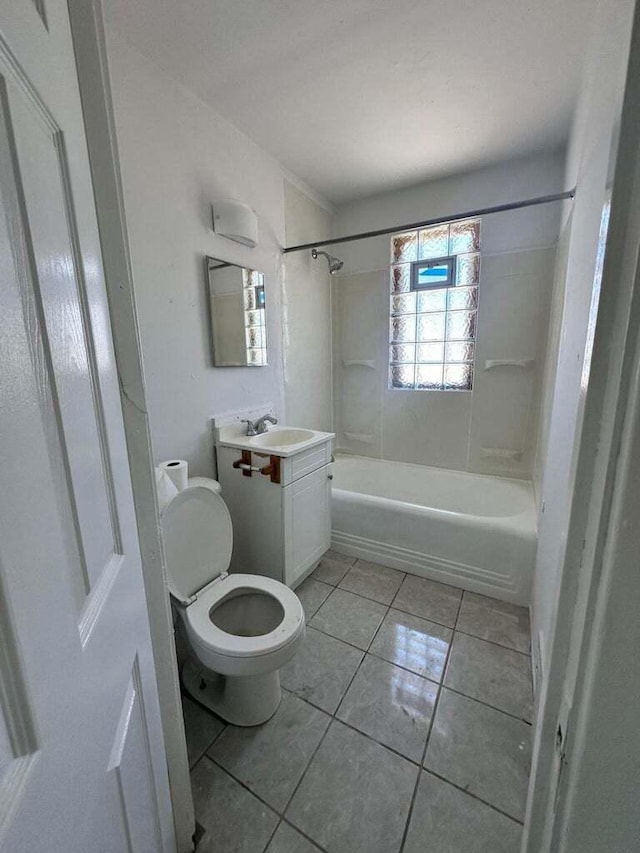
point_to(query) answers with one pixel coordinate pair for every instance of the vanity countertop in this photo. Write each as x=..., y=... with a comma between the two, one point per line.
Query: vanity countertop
x=279, y=440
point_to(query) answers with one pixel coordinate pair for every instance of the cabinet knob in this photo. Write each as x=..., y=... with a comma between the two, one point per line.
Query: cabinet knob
x=329, y=476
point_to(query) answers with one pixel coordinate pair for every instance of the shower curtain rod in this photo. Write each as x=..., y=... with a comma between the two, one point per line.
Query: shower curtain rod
x=412, y=226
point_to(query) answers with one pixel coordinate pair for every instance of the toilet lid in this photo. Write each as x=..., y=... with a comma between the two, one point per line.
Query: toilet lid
x=198, y=538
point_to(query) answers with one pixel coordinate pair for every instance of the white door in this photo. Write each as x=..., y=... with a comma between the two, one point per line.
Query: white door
x=82, y=765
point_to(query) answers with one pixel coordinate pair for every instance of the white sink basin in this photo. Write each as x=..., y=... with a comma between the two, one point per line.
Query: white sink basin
x=283, y=437
x=278, y=441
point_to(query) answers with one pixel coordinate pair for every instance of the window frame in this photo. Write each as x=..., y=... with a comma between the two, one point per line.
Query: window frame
x=451, y=262
x=412, y=365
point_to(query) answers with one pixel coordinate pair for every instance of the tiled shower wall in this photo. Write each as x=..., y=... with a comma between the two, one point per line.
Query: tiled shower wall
x=451, y=429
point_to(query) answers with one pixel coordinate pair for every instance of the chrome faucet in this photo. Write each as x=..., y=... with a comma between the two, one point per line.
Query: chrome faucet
x=260, y=426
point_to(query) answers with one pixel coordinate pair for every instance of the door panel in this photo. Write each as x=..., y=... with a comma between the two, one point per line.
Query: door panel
x=17, y=737
x=82, y=764
x=131, y=768
x=49, y=210
x=308, y=522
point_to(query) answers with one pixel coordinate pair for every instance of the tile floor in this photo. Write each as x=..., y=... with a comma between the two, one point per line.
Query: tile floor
x=405, y=727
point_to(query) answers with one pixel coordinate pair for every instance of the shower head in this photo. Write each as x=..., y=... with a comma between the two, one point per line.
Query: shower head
x=335, y=264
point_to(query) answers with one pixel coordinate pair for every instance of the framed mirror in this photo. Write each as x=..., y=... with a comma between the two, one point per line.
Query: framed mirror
x=238, y=314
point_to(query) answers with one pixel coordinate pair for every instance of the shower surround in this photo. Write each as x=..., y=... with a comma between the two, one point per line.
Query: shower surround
x=493, y=429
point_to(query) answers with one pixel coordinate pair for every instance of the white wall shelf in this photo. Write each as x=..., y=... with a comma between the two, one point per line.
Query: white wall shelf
x=365, y=438
x=500, y=453
x=357, y=362
x=523, y=363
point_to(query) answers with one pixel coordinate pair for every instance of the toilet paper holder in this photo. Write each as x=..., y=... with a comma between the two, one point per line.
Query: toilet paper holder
x=271, y=470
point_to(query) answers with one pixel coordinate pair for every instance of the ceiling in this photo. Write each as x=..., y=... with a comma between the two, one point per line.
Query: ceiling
x=365, y=96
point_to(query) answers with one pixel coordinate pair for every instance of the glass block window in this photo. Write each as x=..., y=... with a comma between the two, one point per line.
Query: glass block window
x=254, y=317
x=434, y=276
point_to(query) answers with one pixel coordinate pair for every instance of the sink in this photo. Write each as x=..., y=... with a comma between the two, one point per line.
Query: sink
x=282, y=437
x=281, y=441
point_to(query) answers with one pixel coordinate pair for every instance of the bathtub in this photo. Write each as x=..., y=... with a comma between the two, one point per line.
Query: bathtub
x=469, y=530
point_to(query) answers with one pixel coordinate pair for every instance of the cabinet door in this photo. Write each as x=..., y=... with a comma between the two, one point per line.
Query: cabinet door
x=256, y=506
x=307, y=512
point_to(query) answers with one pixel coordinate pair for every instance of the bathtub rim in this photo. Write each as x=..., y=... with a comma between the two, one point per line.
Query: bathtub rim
x=524, y=520
x=345, y=454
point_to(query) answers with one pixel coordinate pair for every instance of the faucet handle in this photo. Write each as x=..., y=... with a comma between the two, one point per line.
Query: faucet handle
x=251, y=427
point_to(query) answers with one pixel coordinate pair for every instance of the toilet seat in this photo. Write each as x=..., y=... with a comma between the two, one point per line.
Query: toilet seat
x=213, y=639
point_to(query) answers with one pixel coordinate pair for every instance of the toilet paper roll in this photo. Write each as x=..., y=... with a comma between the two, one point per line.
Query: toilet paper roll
x=177, y=471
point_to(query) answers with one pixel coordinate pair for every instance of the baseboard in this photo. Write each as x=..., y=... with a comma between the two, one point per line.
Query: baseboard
x=473, y=578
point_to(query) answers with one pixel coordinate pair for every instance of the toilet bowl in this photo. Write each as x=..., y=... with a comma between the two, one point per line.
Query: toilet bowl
x=240, y=629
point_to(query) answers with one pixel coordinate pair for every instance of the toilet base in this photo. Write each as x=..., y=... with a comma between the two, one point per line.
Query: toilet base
x=245, y=700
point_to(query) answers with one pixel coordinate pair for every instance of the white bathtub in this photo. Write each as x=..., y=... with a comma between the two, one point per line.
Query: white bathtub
x=469, y=530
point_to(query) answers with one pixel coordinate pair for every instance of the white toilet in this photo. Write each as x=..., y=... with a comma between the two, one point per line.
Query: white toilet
x=240, y=628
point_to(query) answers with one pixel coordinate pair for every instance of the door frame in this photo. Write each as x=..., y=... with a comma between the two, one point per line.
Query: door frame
x=87, y=26
x=598, y=569
x=577, y=756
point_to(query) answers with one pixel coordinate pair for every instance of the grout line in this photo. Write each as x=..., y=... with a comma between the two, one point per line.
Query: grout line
x=239, y=782
x=366, y=651
x=487, y=705
x=379, y=742
x=311, y=577
x=426, y=745
x=389, y=607
x=308, y=618
x=208, y=747
x=217, y=737
x=426, y=618
x=304, y=773
x=339, y=639
x=366, y=597
x=493, y=643
x=473, y=796
x=191, y=698
x=271, y=837
x=280, y=814
x=394, y=606
x=333, y=717
x=406, y=669
x=303, y=834
x=418, y=765
x=358, y=594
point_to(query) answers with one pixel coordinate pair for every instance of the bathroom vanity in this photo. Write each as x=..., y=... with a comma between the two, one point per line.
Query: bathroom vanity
x=278, y=489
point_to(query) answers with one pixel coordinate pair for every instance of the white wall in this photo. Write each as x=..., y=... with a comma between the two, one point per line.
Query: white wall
x=509, y=181
x=307, y=315
x=449, y=429
x=552, y=351
x=589, y=166
x=177, y=156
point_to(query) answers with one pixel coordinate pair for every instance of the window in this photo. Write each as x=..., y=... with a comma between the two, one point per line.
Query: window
x=434, y=305
x=433, y=274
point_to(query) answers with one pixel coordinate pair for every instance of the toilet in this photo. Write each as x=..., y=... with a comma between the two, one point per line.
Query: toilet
x=240, y=629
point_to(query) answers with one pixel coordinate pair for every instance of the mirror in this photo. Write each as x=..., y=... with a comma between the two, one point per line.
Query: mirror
x=238, y=314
